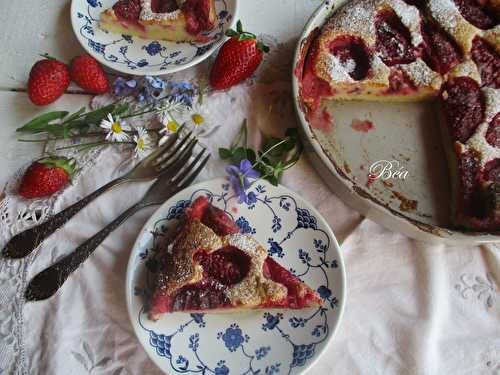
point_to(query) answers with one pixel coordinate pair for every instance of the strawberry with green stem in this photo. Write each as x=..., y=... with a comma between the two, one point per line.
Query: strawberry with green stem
x=46, y=176
x=238, y=58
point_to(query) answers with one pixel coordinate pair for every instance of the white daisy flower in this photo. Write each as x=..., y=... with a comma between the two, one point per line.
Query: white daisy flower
x=116, y=129
x=170, y=126
x=142, y=143
x=174, y=105
x=200, y=120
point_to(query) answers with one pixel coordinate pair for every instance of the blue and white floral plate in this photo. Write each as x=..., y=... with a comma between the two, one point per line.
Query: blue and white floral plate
x=134, y=55
x=255, y=342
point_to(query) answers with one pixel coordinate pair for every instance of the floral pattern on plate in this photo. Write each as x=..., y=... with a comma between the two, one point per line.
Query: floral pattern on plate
x=134, y=55
x=253, y=342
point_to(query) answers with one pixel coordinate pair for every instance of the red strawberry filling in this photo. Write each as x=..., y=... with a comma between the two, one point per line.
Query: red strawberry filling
x=491, y=170
x=228, y=265
x=441, y=52
x=469, y=170
x=297, y=296
x=352, y=54
x=163, y=6
x=493, y=132
x=212, y=217
x=463, y=107
x=313, y=88
x=197, y=13
x=206, y=294
x=487, y=61
x=127, y=10
x=393, y=39
x=477, y=12
x=400, y=83
x=418, y=3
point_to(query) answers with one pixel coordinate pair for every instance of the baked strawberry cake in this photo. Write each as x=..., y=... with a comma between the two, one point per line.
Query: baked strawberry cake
x=174, y=20
x=211, y=267
x=412, y=50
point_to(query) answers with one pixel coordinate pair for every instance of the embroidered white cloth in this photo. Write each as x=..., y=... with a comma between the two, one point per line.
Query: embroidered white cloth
x=412, y=308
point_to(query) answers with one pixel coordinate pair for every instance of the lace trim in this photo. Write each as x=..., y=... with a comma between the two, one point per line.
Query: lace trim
x=16, y=215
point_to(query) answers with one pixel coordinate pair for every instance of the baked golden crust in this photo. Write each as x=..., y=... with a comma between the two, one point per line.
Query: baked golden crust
x=162, y=26
x=422, y=78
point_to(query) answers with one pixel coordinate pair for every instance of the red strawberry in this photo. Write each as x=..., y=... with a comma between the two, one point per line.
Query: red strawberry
x=88, y=74
x=48, y=80
x=46, y=176
x=238, y=58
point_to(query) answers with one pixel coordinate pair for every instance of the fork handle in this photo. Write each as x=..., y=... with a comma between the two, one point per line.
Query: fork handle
x=25, y=242
x=47, y=283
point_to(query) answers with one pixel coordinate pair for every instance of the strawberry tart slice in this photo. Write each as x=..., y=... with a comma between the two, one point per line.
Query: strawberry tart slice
x=211, y=267
x=174, y=20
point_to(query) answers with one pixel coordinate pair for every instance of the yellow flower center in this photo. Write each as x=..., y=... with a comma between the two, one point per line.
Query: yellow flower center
x=116, y=127
x=140, y=144
x=172, y=126
x=197, y=119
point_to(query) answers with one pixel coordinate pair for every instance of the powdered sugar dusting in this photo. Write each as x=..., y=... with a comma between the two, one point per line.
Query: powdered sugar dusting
x=492, y=103
x=478, y=143
x=248, y=291
x=446, y=13
x=421, y=74
x=358, y=17
x=147, y=13
x=379, y=71
x=338, y=70
x=466, y=69
x=410, y=17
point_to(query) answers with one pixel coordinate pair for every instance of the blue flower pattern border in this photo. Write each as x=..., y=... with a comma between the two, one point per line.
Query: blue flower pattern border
x=155, y=54
x=233, y=337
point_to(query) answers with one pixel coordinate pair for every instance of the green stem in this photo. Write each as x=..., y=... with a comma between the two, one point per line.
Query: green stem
x=93, y=144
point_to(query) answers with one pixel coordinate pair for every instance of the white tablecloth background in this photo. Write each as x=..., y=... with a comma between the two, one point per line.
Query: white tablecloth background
x=412, y=308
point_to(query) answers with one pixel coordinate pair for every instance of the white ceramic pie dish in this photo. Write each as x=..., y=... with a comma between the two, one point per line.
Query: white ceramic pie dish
x=405, y=134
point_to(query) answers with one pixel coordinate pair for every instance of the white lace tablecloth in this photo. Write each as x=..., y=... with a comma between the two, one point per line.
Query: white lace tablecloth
x=412, y=308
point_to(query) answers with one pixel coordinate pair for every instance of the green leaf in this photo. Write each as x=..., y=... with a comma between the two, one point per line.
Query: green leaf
x=239, y=154
x=251, y=156
x=39, y=123
x=241, y=138
x=239, y=27
x=95, y=117
x=262, y=47
x=246, y=36
x=231, y=33
x=224, y=153
x=75, y=115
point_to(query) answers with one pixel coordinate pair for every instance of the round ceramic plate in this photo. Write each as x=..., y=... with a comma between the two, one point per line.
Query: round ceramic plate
x=253, y=342
x=413, y=195
x=134, y=55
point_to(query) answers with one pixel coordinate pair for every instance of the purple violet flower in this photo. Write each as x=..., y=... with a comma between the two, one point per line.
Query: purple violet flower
x=239, y=179
x=124, y=87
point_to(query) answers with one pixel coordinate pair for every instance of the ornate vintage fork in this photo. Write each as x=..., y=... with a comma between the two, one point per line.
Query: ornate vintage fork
x=150, y=168
x=177, y=177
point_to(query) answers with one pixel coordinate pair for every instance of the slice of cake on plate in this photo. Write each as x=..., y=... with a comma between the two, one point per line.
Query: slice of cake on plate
x=211, y=267
x=173, y=20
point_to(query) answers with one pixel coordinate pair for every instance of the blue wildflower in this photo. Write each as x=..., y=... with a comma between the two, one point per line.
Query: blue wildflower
x=239, y=179
x=152, y=91
x=124, y=87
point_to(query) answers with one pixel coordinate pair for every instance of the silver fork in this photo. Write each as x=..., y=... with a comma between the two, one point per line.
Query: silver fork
x=177, y=177
x=150, y=168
